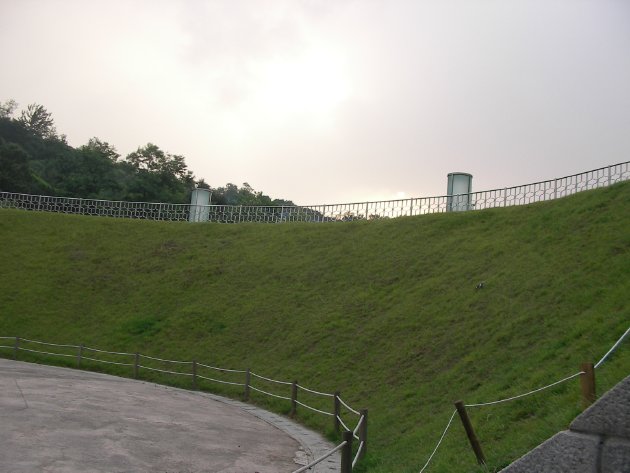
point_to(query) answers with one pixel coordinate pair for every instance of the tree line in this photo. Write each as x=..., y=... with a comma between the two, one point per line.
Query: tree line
x=36, y=159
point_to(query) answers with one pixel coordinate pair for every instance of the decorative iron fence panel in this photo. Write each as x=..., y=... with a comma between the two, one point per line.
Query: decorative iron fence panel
x=506, y=197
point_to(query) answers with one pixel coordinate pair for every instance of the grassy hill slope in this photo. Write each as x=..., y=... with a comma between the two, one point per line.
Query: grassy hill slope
x=385, y=311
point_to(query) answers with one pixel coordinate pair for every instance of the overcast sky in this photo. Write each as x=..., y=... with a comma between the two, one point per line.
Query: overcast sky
x=333, y=101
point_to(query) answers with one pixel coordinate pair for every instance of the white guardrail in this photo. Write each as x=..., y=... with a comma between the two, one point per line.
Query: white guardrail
x=235, y=377
x=506, y=197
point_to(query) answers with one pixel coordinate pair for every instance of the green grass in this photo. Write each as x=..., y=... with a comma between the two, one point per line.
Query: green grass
x=385, y=311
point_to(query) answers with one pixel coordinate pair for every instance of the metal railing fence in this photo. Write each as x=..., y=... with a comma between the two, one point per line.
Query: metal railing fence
x=506, y=197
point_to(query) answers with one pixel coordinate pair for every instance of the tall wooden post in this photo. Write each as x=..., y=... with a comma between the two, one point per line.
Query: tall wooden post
x=136, y=362
x=337, y=411
x=587, y=382
x=248, y=378
x=363, y=432
x=294, y=393
x=346, y=453
x=470, y=432
x=194, y=374
x=79, y=356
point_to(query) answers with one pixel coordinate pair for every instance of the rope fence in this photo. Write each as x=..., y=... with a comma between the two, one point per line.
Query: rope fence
x=491, y=403
x=49, y=344
x=96, y=350
x=359, y=432
x=356, y=429
x=164, y=371
x=269, y=379
x=371, y=210
x=320, y=459
x=358, y=455
x=439, y=441
x=269, y=394
x=313, y=409
x=220, y=369
x=588, y=397
x=340, y=420
x=314, y=392
x=613, y=348
x=349, y=408
x=46, y=352
x=220, y=381
x=165, y=361
x=107, y=362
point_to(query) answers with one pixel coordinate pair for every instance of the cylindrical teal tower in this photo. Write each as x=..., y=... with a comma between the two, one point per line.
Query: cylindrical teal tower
x=199, y=205
x=458, y=192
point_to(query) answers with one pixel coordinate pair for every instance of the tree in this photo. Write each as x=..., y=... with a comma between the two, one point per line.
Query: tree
x=35, y=159
x=7, y=108
x=38, y=121
x=89, y=173
x=202, y=184
x=227, y=195
x=151, y=158
x=158, y=176
x=102, y=148
x=15, y=174
x=231, y=194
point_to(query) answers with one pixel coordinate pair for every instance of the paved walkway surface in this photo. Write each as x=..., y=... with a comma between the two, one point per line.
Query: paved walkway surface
x=59, y=420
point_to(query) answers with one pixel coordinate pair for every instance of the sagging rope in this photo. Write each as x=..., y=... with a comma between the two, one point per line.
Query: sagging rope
x=608, y=353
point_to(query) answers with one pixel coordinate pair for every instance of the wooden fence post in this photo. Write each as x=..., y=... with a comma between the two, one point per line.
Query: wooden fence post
x=294, y=392
x=136, y=363
x=16, y=347
x=470, y=432
x=247, y=381
x=346, y=453
x=337, y=411
x=79, y=356
x=363, y=431
x=194, y=374
x=587, y=381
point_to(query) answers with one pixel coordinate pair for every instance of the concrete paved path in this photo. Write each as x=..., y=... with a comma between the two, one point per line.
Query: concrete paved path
x=58, y=420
